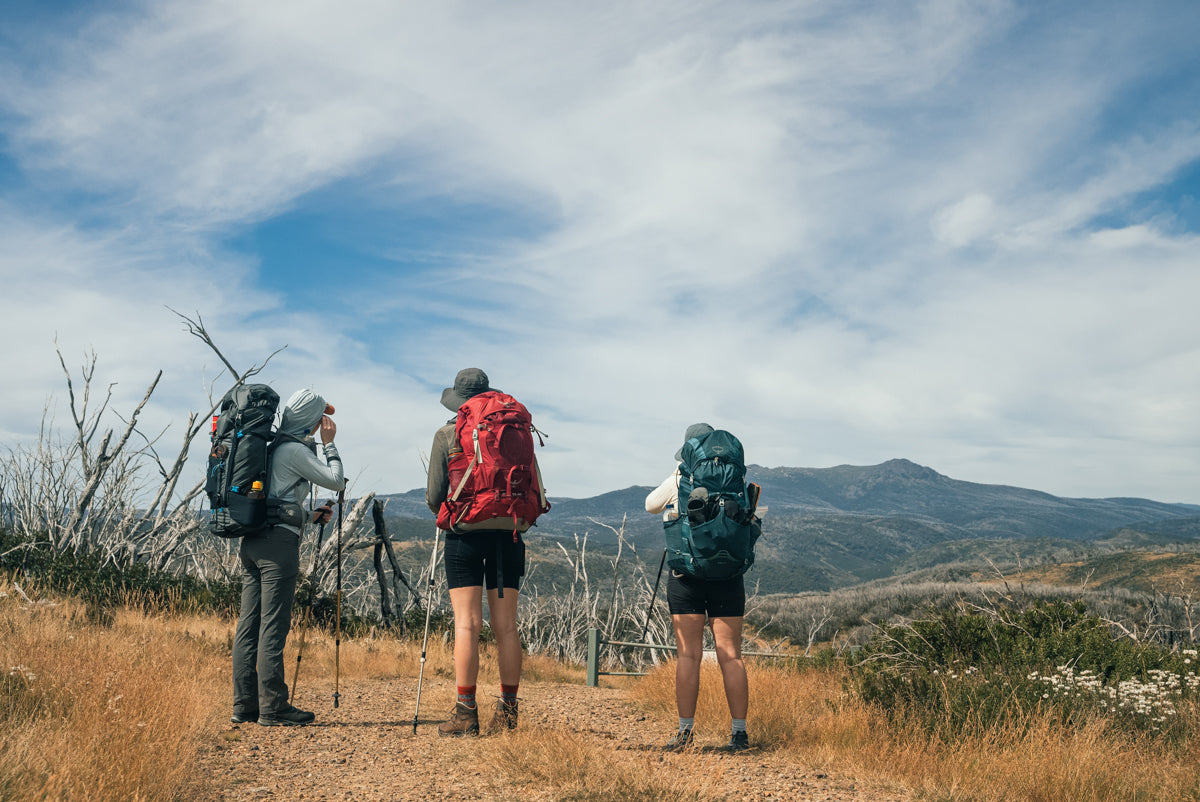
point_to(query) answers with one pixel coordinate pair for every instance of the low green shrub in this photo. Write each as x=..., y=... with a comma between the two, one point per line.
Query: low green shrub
x=966, y=671
x=104, y=585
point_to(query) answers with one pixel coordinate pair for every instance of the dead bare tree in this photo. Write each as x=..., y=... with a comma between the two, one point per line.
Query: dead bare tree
x=389, y=590
x=324, y=576
x=557, y=622
x=95, y=466
x=87, y=492
x=816, y=623
x=170, y=525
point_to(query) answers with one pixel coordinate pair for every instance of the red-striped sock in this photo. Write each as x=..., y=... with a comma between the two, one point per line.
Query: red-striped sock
x=508, y=694
x=466, y=695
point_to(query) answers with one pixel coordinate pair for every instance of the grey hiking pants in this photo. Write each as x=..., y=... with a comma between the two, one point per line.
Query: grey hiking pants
x=270, y=564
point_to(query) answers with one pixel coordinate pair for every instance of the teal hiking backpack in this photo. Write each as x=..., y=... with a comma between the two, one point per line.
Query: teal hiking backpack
x=715, y=533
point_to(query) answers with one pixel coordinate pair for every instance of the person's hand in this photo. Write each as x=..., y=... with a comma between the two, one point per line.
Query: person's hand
x=328, y=429
x=323, y=514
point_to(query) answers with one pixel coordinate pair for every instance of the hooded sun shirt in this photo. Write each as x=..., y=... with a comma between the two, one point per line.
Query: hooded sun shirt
x=295, y=466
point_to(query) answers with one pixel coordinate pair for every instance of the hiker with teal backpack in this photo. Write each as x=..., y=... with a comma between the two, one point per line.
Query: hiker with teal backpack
x=711, y=525
x=283, y=464
x=486, y=490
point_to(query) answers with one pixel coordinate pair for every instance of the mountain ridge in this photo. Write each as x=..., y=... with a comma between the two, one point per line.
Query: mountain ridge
x=830, y=527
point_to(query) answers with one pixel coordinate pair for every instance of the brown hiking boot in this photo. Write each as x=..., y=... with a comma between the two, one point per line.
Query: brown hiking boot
x=464, y=721
x=505, y=717
x=681, y=741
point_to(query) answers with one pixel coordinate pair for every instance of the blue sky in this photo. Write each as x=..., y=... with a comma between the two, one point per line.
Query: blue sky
x=963, y=233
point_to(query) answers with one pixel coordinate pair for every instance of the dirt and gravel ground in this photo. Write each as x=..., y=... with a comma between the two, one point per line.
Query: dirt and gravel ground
x=366, y=750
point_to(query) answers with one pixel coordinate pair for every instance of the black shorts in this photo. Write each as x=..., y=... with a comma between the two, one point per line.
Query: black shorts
x=716, y=598
x=473, y=557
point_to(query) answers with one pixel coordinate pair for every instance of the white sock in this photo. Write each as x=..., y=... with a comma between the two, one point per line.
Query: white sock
x=739, y=725
x=686, y=723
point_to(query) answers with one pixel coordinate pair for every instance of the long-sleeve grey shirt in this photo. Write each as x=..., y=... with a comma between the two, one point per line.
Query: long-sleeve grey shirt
x=295, y=468
x=437, y=485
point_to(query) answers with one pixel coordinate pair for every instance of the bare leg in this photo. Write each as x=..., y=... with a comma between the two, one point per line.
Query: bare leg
x=468, y=622
x=727, y=636
x=689, y=644
x=503, y=615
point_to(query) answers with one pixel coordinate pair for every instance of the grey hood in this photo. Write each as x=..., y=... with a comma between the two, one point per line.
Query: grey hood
x=302, y=412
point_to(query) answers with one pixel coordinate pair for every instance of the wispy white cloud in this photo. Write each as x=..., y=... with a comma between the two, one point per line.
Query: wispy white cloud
x=847, y=234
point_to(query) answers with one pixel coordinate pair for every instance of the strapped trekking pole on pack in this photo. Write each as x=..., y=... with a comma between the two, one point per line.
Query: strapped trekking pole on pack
x=428, y=610
x=337, y=640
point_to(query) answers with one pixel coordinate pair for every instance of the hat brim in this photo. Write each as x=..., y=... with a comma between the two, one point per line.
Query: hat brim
x=452, y=400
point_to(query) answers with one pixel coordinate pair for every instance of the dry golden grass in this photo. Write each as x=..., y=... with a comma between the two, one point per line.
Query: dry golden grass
x=114, y=706
x=808, y=719
x=383, y=656
x=116, y=710
x=100, y=712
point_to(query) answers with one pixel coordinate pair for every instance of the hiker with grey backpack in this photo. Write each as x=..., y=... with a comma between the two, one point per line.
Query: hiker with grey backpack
x=711, y=524
x=258, y=479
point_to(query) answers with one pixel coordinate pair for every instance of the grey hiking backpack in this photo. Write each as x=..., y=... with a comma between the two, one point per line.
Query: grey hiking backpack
x=239, y=465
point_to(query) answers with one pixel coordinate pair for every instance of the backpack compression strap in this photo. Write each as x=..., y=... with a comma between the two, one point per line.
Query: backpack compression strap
x=475, y=460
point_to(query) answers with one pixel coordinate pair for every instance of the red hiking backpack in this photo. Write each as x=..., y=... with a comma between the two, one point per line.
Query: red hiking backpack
x=493, y=472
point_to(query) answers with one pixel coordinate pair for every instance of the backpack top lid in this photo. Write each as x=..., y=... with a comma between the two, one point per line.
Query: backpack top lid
x=718, y=444
x=246, y=406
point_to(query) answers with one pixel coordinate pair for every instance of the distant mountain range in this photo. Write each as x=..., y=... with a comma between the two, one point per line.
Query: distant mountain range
x=833, y=527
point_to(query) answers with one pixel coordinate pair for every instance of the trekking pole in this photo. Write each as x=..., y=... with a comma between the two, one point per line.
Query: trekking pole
x=428, y=610
x=337, y=638
x=653, y=596
x=308, y=614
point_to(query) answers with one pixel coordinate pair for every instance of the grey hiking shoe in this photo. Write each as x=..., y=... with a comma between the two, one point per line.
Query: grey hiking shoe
x=738, y=742
x=463, y=721
x=243, y=718
x=505, y=717
x=681, y=741
x=287, y=717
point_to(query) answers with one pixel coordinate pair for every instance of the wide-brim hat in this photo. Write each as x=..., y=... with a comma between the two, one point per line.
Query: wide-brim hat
x=469, y=383
x=695, y=430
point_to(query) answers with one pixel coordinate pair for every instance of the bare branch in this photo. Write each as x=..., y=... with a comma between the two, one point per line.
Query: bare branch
x=197, y=329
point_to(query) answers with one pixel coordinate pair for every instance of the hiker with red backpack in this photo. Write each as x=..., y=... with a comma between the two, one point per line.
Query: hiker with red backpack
x=486, y=490
x=710, y=522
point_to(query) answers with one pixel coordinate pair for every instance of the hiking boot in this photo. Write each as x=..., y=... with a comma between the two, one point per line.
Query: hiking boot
x=738, y=742
x=681, y=741
x=505, y=717
x=463, y=721
x=243, y=718
x=287, y=717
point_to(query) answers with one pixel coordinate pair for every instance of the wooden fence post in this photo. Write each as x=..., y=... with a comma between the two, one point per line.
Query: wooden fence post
x=593, y=658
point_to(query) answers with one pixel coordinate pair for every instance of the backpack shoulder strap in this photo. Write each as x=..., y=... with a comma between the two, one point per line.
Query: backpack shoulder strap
x=279, y=439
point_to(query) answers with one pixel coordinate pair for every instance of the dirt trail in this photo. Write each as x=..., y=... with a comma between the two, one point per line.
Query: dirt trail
x=366, y=750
